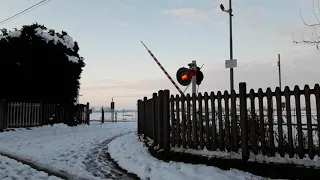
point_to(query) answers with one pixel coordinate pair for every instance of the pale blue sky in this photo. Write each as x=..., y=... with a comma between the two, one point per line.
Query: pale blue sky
x=177, y=31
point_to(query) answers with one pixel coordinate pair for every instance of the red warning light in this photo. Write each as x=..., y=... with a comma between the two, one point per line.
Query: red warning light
x=184, y=77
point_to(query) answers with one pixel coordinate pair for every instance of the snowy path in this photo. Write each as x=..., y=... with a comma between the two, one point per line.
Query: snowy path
x=82, y=153
x=134, y=157
x=12, y=169
x=100, y=163
x=61, y=147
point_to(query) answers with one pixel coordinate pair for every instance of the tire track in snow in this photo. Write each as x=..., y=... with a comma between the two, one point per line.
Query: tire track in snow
x=100, y=164
x=37, y=166
x=12, y=169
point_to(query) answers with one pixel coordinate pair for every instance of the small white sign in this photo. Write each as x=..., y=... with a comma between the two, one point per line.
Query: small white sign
x=231, y=63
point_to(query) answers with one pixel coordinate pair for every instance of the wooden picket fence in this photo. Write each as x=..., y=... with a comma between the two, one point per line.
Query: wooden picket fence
x=82, y=113
x=25, y=114
x=255, y=122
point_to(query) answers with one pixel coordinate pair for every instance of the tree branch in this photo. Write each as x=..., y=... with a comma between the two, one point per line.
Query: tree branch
x=314, y=38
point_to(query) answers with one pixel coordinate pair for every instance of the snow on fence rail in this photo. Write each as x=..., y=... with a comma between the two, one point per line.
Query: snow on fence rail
x=263, y=123
x=25, y=114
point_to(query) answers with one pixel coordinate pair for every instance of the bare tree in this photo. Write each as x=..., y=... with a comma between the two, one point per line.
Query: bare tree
x=314, y=37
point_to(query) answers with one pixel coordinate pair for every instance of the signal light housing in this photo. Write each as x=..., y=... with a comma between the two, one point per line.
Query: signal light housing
x=199, y=77
x=184, y=76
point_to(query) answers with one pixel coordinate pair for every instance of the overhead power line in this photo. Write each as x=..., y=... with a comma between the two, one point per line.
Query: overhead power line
x=24, y=11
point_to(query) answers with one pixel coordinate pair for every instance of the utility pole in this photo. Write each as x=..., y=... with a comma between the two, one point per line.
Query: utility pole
x=279, y=66
x=232, y=63
x=231, y=47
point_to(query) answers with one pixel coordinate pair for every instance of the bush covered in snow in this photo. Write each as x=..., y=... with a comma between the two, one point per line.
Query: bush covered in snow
x=39, y=64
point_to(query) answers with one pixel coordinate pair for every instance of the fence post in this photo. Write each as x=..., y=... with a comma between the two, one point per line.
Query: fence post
x=300, y=147
x=41, y=114
x=234, y=123
x=194, y=122
x=253, y=123
x=140, y=116
x=189, y=124
x=317, y=97
x=243, y=120
x=102, y=115
x=309, y=121
x=213, y=120
x=44, y=113
x=183, y=112
x=145, y=123
x=281, y=146
x=88, y=113
x=157, y=120
x=61, y=113
x=227, y=121
x=71, y=114
x=200, y=122
x=289, y=121
x=160, y=120
x=220, y=120
x=177, y=119
x=271, y=149
x=2, y=116
x=153, y=117
x=262, y=131
x=5, y=123
x=174, y=138
x=166, y=120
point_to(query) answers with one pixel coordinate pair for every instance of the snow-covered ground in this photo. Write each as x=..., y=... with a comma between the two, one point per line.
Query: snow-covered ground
x=12, y=169
x=61, y=147
x=134, y=157
x=75, y=151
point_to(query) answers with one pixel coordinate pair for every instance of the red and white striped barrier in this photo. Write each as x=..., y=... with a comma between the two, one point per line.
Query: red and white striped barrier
x=165, y=72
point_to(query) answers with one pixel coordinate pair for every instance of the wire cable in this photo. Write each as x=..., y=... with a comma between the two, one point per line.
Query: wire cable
x=24, y=11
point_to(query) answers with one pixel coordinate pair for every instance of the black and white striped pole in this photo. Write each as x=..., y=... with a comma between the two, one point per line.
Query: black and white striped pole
x=162, y=68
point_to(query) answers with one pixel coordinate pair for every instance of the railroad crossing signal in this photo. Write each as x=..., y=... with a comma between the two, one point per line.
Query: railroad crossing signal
x=184, y=76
